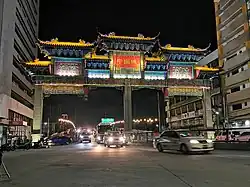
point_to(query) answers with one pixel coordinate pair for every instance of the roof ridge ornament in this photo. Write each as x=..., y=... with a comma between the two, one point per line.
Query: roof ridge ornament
x=54, y=40
x=111, y=34
x=140, y=35
x=82, y=41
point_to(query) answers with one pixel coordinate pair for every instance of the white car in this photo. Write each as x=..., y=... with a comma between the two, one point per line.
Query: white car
x=182, y=140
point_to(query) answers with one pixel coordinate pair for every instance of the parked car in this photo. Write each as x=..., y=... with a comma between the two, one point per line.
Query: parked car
x=245, y=136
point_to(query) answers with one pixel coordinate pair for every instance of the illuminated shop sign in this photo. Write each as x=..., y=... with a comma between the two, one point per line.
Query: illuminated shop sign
x=102, y=74
x=107, y=120
x=79, y=90
x=155, y=75
x=127, y=76
x=180, y=72
x=184, y=91
x=68, y=69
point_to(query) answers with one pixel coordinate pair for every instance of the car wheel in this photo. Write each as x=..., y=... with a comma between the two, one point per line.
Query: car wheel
x=159, y=147
x=184, y=149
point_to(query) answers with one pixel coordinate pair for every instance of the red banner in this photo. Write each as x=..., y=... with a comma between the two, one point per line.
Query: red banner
x=127, y=62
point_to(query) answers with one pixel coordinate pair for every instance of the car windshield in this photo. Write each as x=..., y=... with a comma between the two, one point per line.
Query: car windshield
x=188, y=133
x=85, y=133
x=236, y=133
x=114, y=134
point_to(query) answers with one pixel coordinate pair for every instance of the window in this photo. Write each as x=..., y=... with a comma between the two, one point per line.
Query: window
x=191, y=107
x=237, y=106
x=178, y=111
x=198, y=105
x=172, y=112
x=184, y=109
x=245, y=103
x=177, y=99
x=236, y=89
x=245, y=134
x=234, y=72
x=244, y=86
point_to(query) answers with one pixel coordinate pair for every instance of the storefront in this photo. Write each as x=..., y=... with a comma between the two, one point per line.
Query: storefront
x=3, y=132
x=19, y=125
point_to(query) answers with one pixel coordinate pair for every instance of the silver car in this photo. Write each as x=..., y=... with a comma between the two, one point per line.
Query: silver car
x=114, y=139
x=182, y=140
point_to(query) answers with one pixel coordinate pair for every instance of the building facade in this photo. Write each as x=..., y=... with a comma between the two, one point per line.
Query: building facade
x=18, y=36
x=232, y=21
x=188, y=111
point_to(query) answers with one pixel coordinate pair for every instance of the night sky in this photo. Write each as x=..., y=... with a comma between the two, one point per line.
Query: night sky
x=181, y=23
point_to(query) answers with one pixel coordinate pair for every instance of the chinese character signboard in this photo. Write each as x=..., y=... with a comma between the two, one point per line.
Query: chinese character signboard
x=51, y=89
x=180, y=72
x=185, y=91
x=127, y=64
x=67, y=69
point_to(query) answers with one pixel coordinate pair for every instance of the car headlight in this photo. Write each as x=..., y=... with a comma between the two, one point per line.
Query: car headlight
x=110, y=139
x=81, y=136
x=98, y=138
x=121, y=139
x=49, y=141
x=209, y=141
x=194, y=141
x=89, y=136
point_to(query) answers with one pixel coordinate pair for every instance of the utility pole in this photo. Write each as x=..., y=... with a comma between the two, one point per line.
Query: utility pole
x=159, y=110
x=48, y=126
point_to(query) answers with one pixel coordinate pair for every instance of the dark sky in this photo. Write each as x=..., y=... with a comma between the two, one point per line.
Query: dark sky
x=181, y=23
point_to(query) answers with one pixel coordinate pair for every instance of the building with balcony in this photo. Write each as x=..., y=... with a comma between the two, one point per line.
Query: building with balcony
x=232, y=22
x=188, y=111
x=18, y=36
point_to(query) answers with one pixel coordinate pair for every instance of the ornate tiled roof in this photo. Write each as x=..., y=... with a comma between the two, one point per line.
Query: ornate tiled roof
x=154, y=59
x=37, y=62
x=96, y=57
x=56, y=42
x=190, y=48
x=204, y=68
x=140, y=37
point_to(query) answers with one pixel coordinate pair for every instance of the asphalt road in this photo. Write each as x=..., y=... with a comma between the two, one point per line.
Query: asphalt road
x=96, y=166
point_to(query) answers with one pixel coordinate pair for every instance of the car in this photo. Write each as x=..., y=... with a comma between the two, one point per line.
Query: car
x=85, y=137
x=63, y=140
x=182, y=140
x=114, y=139
x=100, y=138
x=245, y=136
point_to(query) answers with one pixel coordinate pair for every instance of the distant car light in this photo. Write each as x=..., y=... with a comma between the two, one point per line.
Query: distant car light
x=209, y=141
x=110, y=139
x=98, y=138
x=121, y=139
x=81, y=136
x=194, y=141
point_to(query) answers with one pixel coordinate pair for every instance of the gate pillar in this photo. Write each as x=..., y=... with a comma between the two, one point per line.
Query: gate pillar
x=167, y=109
x=127, y=106
x=207, y=112
x=37, y=114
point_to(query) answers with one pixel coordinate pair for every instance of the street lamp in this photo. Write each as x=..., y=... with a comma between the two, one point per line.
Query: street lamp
x=67, y=121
